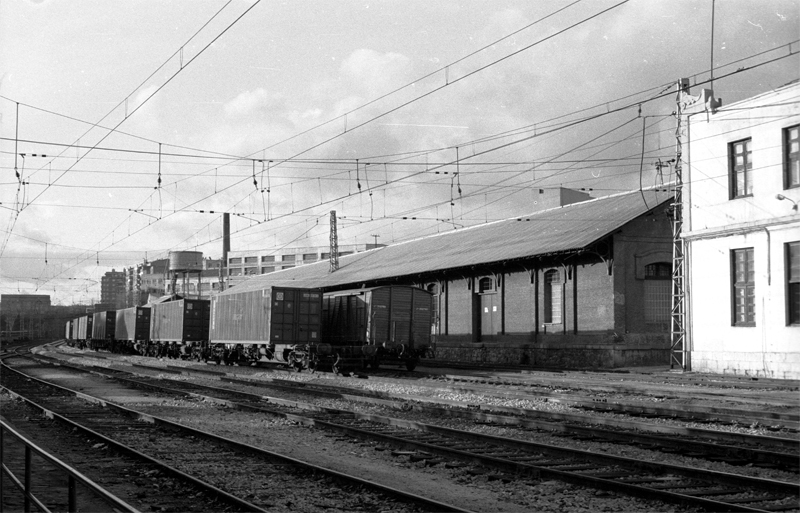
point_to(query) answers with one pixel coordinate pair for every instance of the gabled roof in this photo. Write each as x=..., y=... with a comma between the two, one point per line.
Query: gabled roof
x=567, y=228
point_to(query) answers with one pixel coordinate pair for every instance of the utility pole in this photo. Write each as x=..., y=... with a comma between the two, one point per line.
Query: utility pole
x=334, y=244
x=678, y=328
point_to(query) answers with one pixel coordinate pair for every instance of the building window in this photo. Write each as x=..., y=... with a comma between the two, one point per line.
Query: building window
x=251, y=271
x=267, y=269
x=234, y=272
x=288, y=258
x=486, y=286
x=250, y=260
x=741, y=168
x=310, y=257
x=235, y=260
x=793, y=283
x=268, y=258
x=791, y=157
x=658, y=293
x=552, y=297
x=744, y=287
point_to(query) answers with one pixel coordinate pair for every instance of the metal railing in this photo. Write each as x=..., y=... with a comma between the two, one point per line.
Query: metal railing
x=74, y=477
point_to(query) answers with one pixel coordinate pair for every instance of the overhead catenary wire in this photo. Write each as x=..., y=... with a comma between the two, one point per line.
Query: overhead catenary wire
x=169, y=79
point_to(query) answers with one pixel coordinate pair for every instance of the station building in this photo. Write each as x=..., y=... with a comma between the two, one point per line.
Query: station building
x=578, y=286
x=742, y=234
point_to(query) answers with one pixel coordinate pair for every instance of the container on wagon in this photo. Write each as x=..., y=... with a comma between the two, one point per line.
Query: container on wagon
x=68, y=330
x=273, y=323
x=82, y=327
x=103, y=325
x=180, y=321
x=133, y=324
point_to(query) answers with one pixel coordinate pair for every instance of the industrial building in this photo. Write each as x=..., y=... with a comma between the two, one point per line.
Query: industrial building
x=742, y=236
x=583, y=285
x=245, y=263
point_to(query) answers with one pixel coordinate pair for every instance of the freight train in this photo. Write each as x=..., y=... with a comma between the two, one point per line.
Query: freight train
x=301, y=327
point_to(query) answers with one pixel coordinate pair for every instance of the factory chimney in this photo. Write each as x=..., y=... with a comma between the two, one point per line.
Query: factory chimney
x=226, y=247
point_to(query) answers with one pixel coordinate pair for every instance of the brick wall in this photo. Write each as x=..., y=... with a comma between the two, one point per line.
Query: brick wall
x=459, y=308
x=518, y=298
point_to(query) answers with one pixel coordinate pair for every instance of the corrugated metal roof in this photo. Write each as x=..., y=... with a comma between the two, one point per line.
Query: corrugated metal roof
x=555, y=230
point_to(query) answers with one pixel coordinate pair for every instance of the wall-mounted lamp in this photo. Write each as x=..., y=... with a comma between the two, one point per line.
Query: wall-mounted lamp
x=782, y=197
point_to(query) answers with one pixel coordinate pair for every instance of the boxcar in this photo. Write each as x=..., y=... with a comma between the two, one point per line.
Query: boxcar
x=182, y=320
x=177, y=327
x=68, y=332
x=82, y=330
x=390, y=324
x=103, y=329
x=132, y=328
x=270, y=324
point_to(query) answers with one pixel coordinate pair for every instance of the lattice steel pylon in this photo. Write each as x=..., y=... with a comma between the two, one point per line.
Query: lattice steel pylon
x=334, y=244
x=678, y=324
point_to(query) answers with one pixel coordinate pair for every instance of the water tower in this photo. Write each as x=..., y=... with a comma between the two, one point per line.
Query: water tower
x=185, y=263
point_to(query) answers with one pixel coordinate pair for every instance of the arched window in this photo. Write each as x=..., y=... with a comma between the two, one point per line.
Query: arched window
x=658, y=293
x=552, y=296
x=486, y=286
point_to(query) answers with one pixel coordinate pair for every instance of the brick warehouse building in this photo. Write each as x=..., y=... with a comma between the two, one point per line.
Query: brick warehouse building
x=583, y=285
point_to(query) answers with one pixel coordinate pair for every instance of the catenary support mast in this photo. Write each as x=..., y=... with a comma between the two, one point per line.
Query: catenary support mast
x=678, y=326
x=334, y=244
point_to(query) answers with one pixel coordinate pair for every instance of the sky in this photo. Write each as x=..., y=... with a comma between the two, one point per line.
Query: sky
x=128, y=128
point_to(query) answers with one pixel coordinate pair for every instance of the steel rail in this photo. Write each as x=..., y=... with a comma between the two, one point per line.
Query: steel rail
x=531, y=419
x=338, y=476
x=74, y=475
x=532, y=469
x=221, y=494
x=514, y=466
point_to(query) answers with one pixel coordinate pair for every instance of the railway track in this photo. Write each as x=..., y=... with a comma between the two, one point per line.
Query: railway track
x=249, y=478
x=669, y=483
x=600, y=401
x=729, y=447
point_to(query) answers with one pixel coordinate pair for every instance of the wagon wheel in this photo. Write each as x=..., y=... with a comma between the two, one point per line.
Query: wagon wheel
x=411, y=364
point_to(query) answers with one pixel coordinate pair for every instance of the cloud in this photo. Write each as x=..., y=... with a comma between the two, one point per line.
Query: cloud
x=251, y=102
x=373, y=73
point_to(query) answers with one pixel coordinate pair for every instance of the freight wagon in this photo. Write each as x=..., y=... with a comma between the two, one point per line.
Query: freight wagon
x=132, y=328
x=390, y=324
x=177, y=327
x=68, y=331
x=82, y=330
x=103, y=329
x=300, y=327
x=280, y=324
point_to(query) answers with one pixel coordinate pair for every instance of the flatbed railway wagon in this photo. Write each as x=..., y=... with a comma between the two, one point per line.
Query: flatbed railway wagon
x=367, y=327
x=132, y=329
x=177, y=327
x=280, y=324
x=103, y=329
